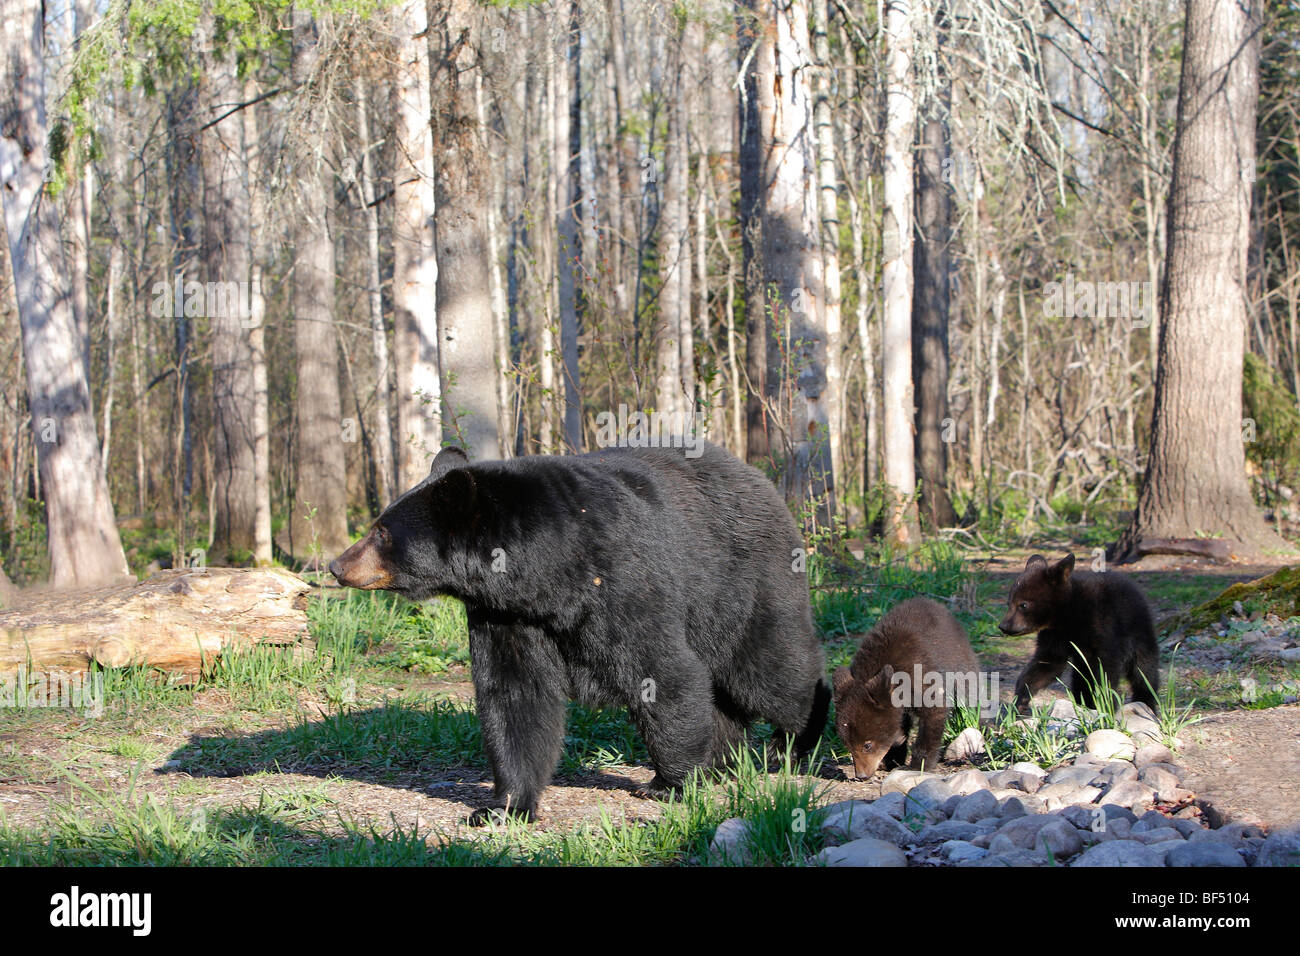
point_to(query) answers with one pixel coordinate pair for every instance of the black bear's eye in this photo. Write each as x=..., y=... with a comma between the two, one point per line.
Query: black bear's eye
x=866, y=748
x=1024, y=605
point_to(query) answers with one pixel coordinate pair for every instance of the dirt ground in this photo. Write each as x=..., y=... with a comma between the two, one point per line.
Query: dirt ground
x=1243, y=763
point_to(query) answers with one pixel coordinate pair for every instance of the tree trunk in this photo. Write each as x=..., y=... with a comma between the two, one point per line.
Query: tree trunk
x=930, y=323
x=674, y=329
x=754, y=46
x=226, y=234
x=318, y=525
x=262, y=545
x=463, y=194
x=83, y=539
x=896, y=343
x=415, y=265
x=1195, y=482
x=375, y=300
x=568, y=145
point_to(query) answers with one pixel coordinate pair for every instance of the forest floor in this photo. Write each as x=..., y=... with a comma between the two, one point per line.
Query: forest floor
x=267, y=763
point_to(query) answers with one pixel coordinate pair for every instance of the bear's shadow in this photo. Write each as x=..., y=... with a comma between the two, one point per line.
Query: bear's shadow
x=437, y=751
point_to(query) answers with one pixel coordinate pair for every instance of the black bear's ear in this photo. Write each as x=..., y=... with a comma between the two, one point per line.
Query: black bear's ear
x=455, y=496
x=447, y=459
x=1035, y=561
x=1063, y=568
x=841, y=680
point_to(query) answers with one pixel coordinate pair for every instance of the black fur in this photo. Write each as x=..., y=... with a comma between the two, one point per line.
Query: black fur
x=633, y=577
x=1089, y=623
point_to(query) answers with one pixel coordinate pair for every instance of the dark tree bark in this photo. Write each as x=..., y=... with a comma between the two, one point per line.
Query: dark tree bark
x=930, y=266
x=1195, y=482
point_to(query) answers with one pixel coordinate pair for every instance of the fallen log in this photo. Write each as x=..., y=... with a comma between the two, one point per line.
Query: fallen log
x=1213, y=549
x=176, y=621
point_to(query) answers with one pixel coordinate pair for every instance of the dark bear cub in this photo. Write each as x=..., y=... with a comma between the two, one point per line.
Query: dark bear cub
x=647, y=578
x=910, y=666
x=1093, y=623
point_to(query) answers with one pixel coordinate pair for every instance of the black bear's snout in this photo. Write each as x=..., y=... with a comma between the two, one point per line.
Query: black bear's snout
x=336, y=570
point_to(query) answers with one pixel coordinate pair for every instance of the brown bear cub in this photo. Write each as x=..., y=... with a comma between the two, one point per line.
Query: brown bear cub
x=877, y=696
x=1093, y=623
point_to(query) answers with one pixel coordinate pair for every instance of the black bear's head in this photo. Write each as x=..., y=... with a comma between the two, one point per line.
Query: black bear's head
x=1037, y=596
x=410, y=548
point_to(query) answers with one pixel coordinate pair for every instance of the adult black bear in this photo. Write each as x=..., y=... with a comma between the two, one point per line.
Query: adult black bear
x=638, y=577
x=1095, y=623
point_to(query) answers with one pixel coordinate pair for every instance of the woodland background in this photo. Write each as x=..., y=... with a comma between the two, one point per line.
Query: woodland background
x=959, y=267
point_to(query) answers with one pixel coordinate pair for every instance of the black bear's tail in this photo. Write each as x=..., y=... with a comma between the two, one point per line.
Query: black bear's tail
x=812, y=730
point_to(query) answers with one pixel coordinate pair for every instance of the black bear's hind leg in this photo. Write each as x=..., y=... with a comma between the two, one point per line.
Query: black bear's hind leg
x=521, y=692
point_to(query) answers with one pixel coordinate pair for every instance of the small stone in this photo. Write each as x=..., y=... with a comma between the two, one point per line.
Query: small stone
x=1025, y=766
x=894, y=804
x=929, y=794
x=1084, y=795
x=867, y=851
x=1118, y=771
x=1175, y=795
x=1019, y=833
x=947, y=830
x=1291, y=654
x=1109, y=744
x=1158, y=835
x=1158, y=777
x=1012, y=808
x=1116, y=812
x=1118, y=853
x=1090, y=760
x=1152, y=753
x=968, y=781
x=903, y=781
x=1151, y=820
x=1204, y=854
x=855, y=819
x=1062, y=709
x=965, y=746
x=731, y=841
x=1225, y=835
x=1129, y=793
x=1014, y=858
x=1082, y=817
x=960, y=851
x=975, y=806
x=1120, y=828
x=1059, y=839
x=1136, y=710
x=1071, y=777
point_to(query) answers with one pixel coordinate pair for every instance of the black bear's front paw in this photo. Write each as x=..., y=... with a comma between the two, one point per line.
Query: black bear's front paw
x=656, y=789
x=501, y=816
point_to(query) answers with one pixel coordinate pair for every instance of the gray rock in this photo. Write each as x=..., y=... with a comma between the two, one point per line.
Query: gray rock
x=1175, y=795
x=1012, y=858
x=1059, y=839
x=929, y=794
x=1118, y=853
x=1158, y=835
x=1071, y=777
x=965, y=746
x=1158, y=777
x=1084, y=817
x=968, y=781
x=854, y=819
x=1203, y=854
x=1282, y=848
x=960, y=851
x=1225, y=835
x=731, y=842
x=1151, y=820
x=1020, y=833
x=865, y=852
x=1152, y=753
x=1114, y=811
x=1025, y=766
x=1090, y=760
x=975, y=806
x=1129, y=793
x=1118, y=771
x=894, y=804
x=1109, y=744
x=1015, y=779
x=947, y=830
x=903, y=781
x=1120, y=828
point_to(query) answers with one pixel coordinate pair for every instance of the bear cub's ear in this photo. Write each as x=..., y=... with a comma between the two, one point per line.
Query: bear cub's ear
x=841, y=680
x=1063, y=568
x=1035, y=561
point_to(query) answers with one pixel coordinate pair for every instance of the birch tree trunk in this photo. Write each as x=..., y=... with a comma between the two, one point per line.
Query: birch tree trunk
x=896, y=343
x=463, y=194
x=415, y=266
x=673, y=334
x=568, y=159
x=83, y=539
x=256, y=322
